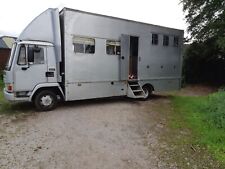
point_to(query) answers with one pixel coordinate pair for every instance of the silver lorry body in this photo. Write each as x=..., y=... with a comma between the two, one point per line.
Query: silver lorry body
x=93, y=70
x=91, y=75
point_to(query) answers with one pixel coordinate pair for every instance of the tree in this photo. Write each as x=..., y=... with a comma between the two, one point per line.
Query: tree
x=204, y=59
x=203, y=63
x=206, y=19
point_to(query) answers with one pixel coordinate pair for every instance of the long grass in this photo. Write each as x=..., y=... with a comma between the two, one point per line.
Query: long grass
x=205, y=116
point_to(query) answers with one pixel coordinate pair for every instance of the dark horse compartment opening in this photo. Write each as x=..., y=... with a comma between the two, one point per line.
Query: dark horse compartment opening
x=133, y=61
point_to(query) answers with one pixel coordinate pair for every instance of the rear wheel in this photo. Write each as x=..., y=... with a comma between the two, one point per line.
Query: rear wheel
x=45, y=100
x=147, y=92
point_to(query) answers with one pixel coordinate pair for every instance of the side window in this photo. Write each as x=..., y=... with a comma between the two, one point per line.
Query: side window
x=22, y=56
x=36, y=54
x=112, y=47
x=155, y=39
x=165, y=40
x=175, y=41
x=84, y=45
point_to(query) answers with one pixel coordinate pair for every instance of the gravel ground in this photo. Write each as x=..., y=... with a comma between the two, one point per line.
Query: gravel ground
x=113, y=133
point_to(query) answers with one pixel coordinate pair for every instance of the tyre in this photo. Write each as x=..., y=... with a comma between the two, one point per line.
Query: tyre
x=147, y=91
x=45, y=100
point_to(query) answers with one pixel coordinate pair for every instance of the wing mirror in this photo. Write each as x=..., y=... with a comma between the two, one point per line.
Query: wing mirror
x=31, y=54
x=37, y=49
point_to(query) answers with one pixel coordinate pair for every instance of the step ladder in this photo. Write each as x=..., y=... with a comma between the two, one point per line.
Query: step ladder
x=135, y=90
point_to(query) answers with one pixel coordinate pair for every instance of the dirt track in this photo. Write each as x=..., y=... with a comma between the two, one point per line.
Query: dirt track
x=115, y=133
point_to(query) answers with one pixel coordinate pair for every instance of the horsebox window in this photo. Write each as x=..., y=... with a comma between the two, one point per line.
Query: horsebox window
x=84, y=45
x=155, y=39
x=165, y=40
x=176, y=41
x=112, y=47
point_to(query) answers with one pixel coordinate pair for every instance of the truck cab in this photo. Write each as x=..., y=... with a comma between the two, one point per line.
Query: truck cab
x=32, y=71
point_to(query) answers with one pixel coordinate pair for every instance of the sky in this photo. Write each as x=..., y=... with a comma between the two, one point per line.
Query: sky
x=15, y=15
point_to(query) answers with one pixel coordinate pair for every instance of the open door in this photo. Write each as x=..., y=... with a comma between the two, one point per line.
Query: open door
x=124, y=58
x=129, y=57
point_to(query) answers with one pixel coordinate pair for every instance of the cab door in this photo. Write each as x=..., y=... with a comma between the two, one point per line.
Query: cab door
x=31, y=67
x=124, y=58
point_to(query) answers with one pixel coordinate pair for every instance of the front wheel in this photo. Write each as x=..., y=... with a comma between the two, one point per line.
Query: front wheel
x=147, y=92
x=45, y=100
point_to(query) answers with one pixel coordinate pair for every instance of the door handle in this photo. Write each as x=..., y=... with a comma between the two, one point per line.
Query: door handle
x=122, y=57
x=24, y=68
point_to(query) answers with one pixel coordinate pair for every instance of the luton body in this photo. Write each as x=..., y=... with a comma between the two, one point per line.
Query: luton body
x=75, y=55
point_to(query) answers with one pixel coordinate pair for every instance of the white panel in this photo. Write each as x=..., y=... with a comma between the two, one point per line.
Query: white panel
x=80, y=91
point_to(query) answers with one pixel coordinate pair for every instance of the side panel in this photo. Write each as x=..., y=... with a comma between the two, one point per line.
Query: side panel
x=158, y=60
x=163, y=84
x=160, y=65
x=125, y=55
x=81, y=91
x=80, y=67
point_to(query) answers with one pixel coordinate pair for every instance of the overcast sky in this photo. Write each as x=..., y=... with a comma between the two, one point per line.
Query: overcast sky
x=16, y=14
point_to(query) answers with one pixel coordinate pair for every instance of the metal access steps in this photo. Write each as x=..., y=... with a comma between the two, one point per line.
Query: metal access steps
x=135, y=90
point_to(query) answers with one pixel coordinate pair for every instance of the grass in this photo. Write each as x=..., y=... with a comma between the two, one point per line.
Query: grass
x=205, y=117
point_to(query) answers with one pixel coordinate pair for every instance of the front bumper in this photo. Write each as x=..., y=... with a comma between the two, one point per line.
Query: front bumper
x=11, y=97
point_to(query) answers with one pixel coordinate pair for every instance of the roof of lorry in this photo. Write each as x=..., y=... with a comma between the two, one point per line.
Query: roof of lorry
x=90, y=13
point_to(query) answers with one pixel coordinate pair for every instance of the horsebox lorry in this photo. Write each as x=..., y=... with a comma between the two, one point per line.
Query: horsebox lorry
x=75, y=55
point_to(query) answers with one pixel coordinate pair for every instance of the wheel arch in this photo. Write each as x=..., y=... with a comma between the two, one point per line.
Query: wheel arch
x=148, y=85
x=54, y=87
